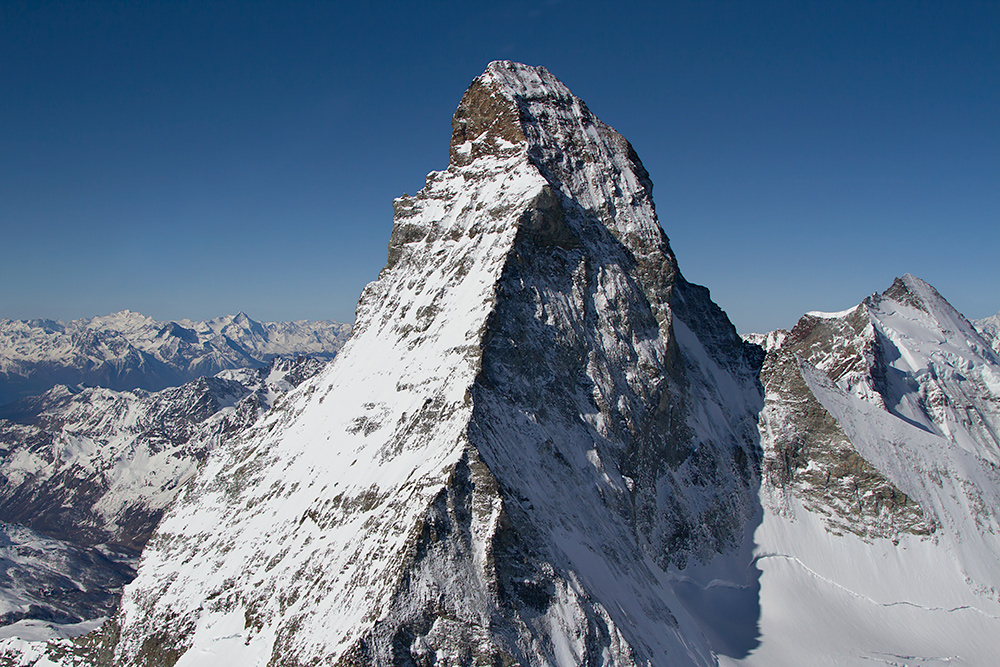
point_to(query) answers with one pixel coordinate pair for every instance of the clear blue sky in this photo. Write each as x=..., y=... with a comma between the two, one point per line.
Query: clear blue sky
x=196, y=159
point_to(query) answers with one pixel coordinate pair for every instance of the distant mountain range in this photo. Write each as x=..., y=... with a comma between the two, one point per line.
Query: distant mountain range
x=127, y=350
x=989, y=327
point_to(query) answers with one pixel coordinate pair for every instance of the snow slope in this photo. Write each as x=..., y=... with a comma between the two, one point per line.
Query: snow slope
x=127, y=350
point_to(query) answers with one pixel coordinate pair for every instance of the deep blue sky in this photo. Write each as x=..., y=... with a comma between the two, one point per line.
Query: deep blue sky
x=196, y=159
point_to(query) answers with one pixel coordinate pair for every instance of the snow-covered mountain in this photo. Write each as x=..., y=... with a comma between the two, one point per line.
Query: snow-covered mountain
x=127, y=350
x=543, y=446
x=535, y=418
x=881, y=531
x=87, y=473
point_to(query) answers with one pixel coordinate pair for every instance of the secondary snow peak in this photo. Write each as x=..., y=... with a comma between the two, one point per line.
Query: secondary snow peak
x=881, y=438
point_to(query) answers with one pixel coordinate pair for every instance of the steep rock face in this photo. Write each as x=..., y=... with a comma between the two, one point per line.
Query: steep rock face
x=126, y=350
x=881, y=486
x=535, y=418
x=92, y=470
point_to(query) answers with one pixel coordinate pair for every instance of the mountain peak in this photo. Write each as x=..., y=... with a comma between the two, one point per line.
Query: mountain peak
x=513, y=108
x=525, y=386
x=491, y=109
x=911, y=291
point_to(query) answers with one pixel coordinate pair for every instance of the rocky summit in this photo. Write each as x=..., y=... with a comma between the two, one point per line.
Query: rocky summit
x=542, y=446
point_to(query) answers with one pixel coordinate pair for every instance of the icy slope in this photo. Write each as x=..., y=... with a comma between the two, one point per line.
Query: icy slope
x=879, y=541
x=534, y=418
x=92, y=470
x=127, y=350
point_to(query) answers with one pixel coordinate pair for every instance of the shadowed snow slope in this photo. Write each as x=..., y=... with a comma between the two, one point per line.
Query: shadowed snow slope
x=535, y=420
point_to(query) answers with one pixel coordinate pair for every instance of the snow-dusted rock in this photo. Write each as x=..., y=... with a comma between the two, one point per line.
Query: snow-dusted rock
x=127, y=350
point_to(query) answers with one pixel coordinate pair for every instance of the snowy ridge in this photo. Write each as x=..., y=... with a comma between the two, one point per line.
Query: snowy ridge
x=534, y=416
x=832, y=316
x=127, y=350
